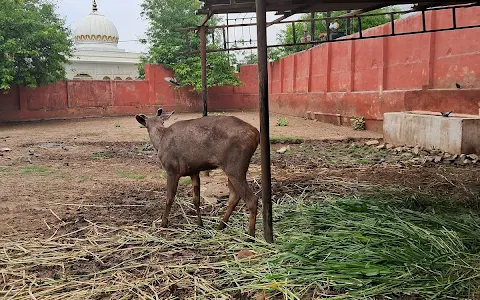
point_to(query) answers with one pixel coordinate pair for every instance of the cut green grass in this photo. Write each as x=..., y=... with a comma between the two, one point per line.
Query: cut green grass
x=369, y=248
x=4, y=170
x=392, y=245
x=129, y=175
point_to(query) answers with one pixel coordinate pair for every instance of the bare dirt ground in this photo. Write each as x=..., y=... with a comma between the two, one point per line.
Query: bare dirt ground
x=59, y=174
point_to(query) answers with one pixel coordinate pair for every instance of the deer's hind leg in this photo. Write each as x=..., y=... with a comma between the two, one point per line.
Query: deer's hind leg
x=232, y=203
x=196, y=197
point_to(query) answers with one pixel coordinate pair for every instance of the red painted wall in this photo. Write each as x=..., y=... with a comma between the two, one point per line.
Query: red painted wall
x=331, y=81
x=370, y=77
x=78, y=98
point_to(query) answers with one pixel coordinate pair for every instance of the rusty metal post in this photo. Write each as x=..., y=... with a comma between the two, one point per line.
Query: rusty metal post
x=312, y=26
x=348, y=23
x=327, y=21
x=261, y=6
x=203, y=59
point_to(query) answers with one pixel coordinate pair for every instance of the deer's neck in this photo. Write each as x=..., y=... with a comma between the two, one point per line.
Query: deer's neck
x=158, y=136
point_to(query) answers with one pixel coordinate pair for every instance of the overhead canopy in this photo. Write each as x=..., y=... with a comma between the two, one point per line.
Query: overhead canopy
x=282, y=7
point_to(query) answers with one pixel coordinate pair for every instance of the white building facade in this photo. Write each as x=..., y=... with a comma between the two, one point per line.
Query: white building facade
x=96, y=55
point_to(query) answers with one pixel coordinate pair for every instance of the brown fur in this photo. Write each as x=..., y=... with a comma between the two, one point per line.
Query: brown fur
x=188, y=147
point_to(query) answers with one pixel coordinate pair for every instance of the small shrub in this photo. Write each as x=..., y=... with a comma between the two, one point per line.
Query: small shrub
x=358, y=123
x=117, y=124
x=282, y=122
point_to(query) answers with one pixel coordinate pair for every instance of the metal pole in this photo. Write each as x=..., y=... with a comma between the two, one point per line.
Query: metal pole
x=203, y=59
x=312, y=26
x=264, y=119
x=327, y=21
x=348, y=23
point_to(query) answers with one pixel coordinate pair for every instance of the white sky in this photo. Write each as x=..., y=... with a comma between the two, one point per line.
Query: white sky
x=125, y=14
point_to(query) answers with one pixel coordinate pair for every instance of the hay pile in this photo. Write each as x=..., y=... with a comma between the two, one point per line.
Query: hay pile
x=358, y=247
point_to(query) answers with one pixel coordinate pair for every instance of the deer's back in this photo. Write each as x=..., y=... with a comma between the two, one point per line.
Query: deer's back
x=208, y=142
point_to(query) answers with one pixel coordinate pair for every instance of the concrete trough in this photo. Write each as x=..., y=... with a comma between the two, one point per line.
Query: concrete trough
x=455, y=134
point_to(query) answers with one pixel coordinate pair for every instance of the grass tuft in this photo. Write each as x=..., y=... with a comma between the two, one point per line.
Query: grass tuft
x=98, y=155
x=129, y=175
x=38, y=170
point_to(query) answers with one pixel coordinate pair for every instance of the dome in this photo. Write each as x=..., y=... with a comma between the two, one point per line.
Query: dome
x=96, y=29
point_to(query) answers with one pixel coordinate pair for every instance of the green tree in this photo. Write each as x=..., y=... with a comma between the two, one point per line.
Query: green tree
x=34, y=43
x=167, y=45
x=285, y=36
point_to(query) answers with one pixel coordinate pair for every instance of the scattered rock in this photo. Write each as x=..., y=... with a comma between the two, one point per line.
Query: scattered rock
x=438, y=159
x=65, y=148
x=454, y=157
x=31, y=152
x=244, y=253
x=5, y=150
x=389, y=146
x=467, y=161
x=372, y=143
x=283, y=149
x=429, y=158
x=462, y=157
x=416, y=150
x=446, y=155
x=472, y=156
x=381, y=146
x=475, y=161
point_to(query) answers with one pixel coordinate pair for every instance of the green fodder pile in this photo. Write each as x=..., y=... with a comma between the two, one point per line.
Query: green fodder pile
x=357, y=248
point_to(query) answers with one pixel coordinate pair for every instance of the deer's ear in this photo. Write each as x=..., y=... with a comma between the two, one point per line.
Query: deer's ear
x=167, y=116
x=142, y=119
x=159, y=112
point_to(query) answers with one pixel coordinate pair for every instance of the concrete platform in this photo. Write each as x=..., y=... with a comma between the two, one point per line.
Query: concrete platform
x=455, y=134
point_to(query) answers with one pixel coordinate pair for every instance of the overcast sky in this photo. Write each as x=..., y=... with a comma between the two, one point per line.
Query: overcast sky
x=125, y=14
x=126, y=17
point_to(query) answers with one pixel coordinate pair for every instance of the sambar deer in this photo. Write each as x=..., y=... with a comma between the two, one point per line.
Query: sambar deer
x=189, y=147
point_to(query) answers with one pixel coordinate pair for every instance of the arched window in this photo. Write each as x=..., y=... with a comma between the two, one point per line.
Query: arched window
x=128, y=78
x=106, y=78
x=118, y=78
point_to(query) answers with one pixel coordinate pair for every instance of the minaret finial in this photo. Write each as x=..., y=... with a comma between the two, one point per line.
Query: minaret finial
x=94, y=6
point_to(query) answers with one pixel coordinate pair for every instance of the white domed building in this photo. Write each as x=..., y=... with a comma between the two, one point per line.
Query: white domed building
x=96, y=55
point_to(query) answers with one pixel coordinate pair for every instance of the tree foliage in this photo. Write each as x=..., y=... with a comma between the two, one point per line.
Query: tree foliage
x=35, y=44
x=285, y=36
x=167, y=45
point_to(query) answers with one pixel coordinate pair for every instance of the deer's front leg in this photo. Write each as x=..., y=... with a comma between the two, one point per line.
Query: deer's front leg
x=172, y=185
